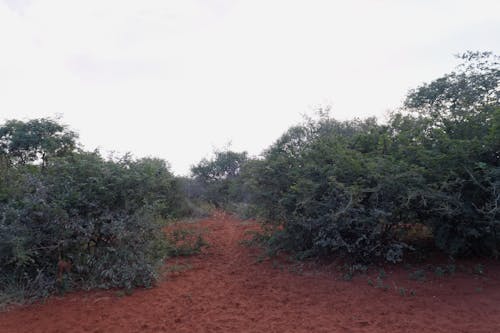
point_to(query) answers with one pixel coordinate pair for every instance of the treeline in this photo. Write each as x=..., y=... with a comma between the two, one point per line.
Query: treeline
x=366, y=190
x=73, y=219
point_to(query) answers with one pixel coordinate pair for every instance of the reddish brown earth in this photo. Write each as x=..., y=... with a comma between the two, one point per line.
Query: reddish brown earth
x=228, y=289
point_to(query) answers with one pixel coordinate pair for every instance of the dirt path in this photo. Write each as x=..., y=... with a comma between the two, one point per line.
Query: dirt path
x=226, y=289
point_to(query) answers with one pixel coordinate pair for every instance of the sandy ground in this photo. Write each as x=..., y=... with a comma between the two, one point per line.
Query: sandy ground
x=228, y=288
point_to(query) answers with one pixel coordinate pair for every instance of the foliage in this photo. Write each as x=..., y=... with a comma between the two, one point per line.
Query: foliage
x=34, y=140
x=103, y=217
x=450, y=129
x=215, y=180
x=356, y=188
x=184, y=241
x=328, y=197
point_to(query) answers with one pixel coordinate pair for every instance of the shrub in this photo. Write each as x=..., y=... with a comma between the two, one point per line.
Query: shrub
x=102, y=216
x=357, y=188
x=330, y=198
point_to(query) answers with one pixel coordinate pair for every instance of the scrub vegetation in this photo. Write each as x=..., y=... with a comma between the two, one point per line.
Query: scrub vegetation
x=362, y=190
x=368, y=191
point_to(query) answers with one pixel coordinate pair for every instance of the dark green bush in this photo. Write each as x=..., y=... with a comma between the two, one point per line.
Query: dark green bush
x=357, y=188
x=328, y=197
x=102, y=216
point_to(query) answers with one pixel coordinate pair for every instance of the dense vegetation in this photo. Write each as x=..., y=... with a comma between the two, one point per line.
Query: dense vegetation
x=358, y=189
x=72, y=219
x=367, y=190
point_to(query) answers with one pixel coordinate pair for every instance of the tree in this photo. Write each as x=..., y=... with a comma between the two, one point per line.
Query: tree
x=459, y=102
x=35, y=140
x=217, y=175
x=226, y=164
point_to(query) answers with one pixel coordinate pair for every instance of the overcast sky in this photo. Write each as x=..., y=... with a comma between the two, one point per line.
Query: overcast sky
x=174, y=79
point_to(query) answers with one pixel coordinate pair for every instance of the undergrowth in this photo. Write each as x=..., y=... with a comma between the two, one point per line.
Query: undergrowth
x=184, y=241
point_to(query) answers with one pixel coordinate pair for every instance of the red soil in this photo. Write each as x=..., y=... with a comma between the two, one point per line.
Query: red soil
x=227, y=289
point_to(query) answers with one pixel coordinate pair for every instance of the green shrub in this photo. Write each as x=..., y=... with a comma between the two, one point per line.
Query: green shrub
x=104, y=217
x=330, y=198
x=356, y=188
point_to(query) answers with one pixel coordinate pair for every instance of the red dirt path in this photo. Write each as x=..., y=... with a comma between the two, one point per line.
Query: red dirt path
x=226, y=289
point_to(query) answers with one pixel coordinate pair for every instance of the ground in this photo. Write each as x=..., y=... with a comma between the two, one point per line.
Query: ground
x=230, y=287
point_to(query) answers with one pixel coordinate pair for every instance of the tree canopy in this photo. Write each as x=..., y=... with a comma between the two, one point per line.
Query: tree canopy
x=35, y=140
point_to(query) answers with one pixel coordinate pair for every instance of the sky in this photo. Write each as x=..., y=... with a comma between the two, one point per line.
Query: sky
x=178, y=79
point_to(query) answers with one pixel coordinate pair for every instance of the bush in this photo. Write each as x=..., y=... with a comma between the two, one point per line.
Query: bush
x=102, y=217
x=327, y=197
x=356, y=188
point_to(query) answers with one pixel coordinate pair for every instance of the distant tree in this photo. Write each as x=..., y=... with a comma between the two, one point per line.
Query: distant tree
x=35, y=140
x=217, y=175
x=225, y=164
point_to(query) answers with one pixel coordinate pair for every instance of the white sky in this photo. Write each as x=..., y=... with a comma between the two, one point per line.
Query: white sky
x=174, y=79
